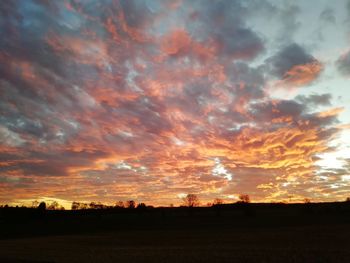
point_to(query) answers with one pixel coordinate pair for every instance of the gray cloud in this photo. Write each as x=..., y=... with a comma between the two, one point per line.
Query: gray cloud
x=327, y=15
x=225, y=23
x=343, y=64
x=286, y=58
x=289, y=21
x=267, y=111
x=315, y=100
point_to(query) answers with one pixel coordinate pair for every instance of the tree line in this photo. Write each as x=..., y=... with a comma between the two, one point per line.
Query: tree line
x=190, y=200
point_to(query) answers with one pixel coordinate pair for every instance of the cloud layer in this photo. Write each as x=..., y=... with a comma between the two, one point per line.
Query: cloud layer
x=108, y=100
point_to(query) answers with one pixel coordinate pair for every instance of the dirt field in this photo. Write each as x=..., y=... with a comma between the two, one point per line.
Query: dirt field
x=288, y=244
x=263, y=233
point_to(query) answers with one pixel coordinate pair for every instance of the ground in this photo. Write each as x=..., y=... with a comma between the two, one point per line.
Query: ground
x=186, y=238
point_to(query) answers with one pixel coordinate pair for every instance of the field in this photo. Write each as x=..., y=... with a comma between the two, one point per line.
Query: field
x=260, y=233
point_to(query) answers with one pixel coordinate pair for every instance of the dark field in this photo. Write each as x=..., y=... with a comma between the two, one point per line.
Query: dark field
x=231, y=233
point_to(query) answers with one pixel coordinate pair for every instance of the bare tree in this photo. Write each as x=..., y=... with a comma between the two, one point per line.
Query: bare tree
x=35, y=204
x=130, y=204
x=307, y=201
x=218, y=201
x=97, y=205
x=79, y=206
x=55, y=206
x=244, y=198
x=75, y=205
x=119, y=204
x=191, y=200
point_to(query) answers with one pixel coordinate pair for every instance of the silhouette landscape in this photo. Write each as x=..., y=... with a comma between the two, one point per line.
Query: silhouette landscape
x=238, y=232
x=174, y=131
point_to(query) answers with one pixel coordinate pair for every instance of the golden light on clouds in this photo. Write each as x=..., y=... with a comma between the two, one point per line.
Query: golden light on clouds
x=150, y=101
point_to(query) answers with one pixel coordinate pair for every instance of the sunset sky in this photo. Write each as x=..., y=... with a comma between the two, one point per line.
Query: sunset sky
x=151, y=100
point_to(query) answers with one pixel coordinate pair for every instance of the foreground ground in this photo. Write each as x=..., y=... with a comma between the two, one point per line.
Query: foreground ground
x=194, y=237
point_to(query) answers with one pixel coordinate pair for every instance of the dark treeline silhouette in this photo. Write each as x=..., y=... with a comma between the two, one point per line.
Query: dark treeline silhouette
x=130, y=204
x=190, y=200
x=191, y=206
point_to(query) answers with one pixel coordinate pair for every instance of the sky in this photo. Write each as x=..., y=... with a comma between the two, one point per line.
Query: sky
x=152, y=100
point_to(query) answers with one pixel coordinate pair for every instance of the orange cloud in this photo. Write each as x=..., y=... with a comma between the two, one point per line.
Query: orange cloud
x=331, y=112
x=301, y=75
x=176, y=42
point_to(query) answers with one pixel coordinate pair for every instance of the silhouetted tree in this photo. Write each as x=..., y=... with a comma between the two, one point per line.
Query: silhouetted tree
x=191, y=200
x=244, y=204
x=347, y=199
x=307, y=201
x=75, y=205
x=141, y=206
x=244, y=198
x=218, y=201
x=79, y=206
x=35, y=204
x=130, y=204
x=119, y=204
x=55, y=206
x=42, y=206
x=98, y=205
